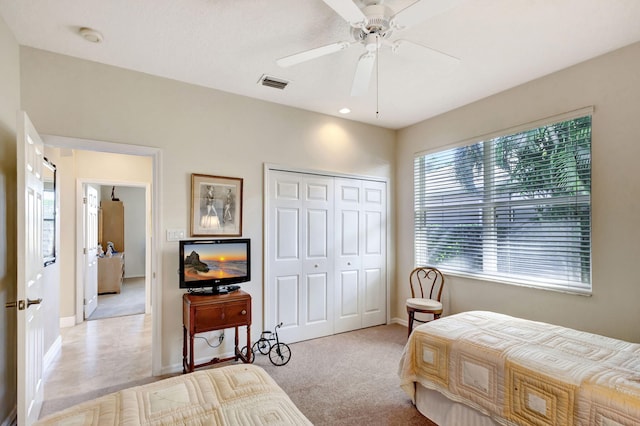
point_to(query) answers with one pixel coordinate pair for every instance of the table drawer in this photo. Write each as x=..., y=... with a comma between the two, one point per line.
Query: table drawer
x=217, y=316
x=238, y=313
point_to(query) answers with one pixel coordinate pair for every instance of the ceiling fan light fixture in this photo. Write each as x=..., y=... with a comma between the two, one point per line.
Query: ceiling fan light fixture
x=89, y=34
x=372, y=25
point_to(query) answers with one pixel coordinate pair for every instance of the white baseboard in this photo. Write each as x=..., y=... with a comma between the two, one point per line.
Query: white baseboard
x=12, y=418
x=54, y=350
x=67, y=322
x=401, y=321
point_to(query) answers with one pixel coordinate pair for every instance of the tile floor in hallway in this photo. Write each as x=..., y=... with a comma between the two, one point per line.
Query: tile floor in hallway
x=99, y=354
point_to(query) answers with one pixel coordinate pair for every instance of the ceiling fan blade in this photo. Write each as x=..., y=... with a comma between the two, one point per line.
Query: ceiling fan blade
x=363, y=73
x=420, y=11
x=307, y=55
x=437, y=58
x=347, y=9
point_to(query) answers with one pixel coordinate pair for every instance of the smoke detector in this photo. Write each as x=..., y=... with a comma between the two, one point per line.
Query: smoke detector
x=91, y=35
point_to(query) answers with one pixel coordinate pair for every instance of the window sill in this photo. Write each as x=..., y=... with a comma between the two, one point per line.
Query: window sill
x=549, y=287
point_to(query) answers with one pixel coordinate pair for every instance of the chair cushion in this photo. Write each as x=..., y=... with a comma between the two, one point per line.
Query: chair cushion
x=424, y=304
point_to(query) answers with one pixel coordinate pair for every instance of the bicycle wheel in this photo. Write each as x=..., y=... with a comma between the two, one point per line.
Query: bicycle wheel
x=280, y=354
x=261, y=345
x=243, y=351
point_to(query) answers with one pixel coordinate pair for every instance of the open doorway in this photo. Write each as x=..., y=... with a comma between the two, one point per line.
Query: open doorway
x=121, y=235
x=109, y=173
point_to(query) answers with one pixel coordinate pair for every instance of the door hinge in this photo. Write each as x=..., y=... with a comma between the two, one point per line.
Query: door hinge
x=84, y=251
x=84, y=200
x=19, y=304
x=84, y=301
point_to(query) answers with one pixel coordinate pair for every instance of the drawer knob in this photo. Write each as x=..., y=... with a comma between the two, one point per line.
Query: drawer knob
x=244, y=312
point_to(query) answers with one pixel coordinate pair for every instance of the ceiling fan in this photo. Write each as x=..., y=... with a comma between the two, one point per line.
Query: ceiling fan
x=372, y=26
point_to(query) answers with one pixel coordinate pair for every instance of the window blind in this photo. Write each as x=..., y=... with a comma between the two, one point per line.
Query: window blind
x=514, y=208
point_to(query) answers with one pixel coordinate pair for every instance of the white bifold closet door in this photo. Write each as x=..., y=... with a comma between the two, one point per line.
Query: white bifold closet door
x=325, y=254
x=360, y=279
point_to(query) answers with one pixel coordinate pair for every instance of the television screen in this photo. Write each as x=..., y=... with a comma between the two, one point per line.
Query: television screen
x=214, y=264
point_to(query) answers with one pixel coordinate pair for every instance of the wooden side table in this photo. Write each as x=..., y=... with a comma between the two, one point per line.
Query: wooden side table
x=201, y=313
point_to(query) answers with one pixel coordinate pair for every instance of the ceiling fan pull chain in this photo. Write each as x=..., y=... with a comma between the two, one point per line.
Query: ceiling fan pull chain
x=377, y=76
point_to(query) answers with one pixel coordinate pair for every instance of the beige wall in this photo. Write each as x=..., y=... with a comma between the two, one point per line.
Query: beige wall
x=199, y=131
x=9, y=105
x=611, y=84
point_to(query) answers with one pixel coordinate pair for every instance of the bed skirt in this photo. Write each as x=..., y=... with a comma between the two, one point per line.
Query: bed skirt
x=445, y=412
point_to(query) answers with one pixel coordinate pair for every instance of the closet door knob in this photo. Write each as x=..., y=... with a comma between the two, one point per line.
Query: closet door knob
x=244, y=312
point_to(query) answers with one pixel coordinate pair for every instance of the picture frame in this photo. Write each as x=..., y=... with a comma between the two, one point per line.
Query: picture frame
x=216, y=206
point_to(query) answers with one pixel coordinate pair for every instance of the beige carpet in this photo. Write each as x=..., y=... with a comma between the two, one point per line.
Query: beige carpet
x=130, y=300
x=345, y=379
x=349, y=378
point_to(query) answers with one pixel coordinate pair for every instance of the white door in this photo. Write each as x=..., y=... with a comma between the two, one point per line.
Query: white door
x=360, y=278
x=30, y=153
x=90, y=229
x=300, y=246
x=374, y=253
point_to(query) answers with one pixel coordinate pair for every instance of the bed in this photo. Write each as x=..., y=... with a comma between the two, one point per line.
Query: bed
x=485, y=368
x=241, y=394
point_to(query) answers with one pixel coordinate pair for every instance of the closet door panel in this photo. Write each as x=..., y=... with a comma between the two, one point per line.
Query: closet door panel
x=317, y=234
x=300, y=253
x=349, y=233
x=349, y=227
x=374, y=256
x=287, y=296
x=317, y=265
x=317, y=304
x=348, y=288
x=372, y=282
x=373, y=236
x=283, y=284
x=287, y=247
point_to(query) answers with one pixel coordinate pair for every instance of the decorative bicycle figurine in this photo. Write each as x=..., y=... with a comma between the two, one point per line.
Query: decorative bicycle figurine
x=279, y=352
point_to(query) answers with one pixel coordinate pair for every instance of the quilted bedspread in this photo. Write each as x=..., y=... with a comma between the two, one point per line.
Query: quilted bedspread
x=241, y=394
x=522, y=372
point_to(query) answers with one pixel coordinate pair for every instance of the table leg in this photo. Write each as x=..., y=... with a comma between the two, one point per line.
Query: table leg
x=191, y=357
x=248, y=344
x=237, y=343
x=184, y=349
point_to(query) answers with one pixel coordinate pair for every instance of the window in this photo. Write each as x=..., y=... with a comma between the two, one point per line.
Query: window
x=515, y=208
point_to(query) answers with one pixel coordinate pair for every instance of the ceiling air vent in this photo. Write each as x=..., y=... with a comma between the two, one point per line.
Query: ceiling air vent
x=276, y=83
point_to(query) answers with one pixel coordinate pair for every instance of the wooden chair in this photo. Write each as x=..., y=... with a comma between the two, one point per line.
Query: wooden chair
x=426, y=285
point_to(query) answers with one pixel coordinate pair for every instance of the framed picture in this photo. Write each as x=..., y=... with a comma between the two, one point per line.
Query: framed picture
x=216, y=206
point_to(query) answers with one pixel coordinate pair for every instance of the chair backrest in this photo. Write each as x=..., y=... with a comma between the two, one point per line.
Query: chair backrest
x=426, y=282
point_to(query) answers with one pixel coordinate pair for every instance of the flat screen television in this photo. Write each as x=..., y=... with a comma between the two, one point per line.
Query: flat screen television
x=214, y=266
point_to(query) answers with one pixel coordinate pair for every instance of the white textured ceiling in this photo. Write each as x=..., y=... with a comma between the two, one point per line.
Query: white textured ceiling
x=229, y=44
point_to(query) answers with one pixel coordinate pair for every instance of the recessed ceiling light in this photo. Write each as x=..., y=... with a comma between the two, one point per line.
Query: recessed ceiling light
x=344, y=110
x=90, y=34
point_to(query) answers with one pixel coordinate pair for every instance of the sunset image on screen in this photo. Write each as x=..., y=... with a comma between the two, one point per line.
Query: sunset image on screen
x=204, y=262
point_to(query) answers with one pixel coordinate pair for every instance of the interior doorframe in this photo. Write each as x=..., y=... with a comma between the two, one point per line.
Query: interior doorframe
x=272, y=167
x=80, y=240
x=153, y=258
